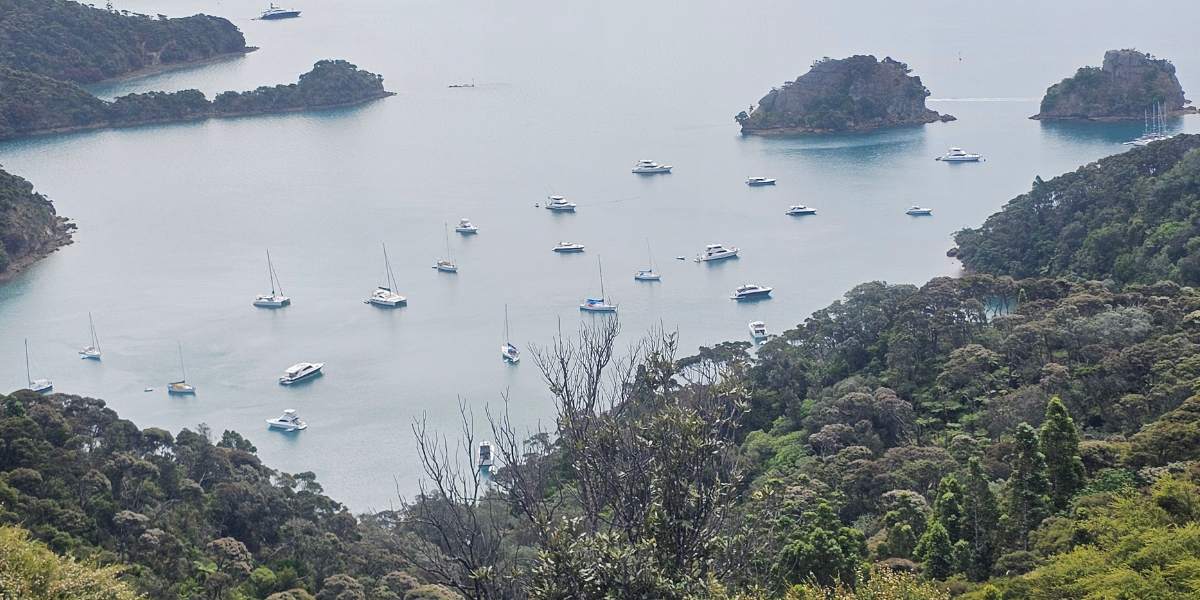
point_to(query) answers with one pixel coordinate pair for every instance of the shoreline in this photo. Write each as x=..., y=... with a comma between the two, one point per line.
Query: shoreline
x=168, y=67
x=62, y=238
x=797, y=131
x=1187, y=110
x=107, y=125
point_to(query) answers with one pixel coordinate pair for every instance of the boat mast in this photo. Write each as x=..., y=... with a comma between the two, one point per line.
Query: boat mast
x=649, y=254
x=95, y=339
x=387, y=265
x=506, y=324
x=446, y=233
x=601, y=268
x=274, y=278
x=182, y=370
x=28, y=376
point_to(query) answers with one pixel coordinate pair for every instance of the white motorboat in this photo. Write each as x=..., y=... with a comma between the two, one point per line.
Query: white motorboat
x=91, y=351
x=648, y=274
x=385, y=294
x=800, y=210
x=598, y=304
x=751, y=291
x=446, y=265
x=758, y=331
x=35, y=385
x=959, y=155
x=649, y=167
x=288, y=421
x=181, y=387
x=757, y=181
x=486, y=462
x=465, y=226
x=716, y=252
x=275, y=299
x=560, y=204
x=274, y=13
x=508, y=351
x=568, y=247
x=918, y=211
x=299, y=372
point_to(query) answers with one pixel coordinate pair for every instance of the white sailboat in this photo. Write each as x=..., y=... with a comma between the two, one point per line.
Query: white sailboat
x=599, y=304
x=648, y=274
x=91, y=351
x=385, y=295
x=275, y=299
x=181, y=386
x=508, y=351
x=446, y=265
x=36, y=385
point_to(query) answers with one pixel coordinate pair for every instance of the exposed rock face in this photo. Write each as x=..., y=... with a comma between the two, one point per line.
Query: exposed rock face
x=859, y=93
x=1125, y=87
x=29, y=227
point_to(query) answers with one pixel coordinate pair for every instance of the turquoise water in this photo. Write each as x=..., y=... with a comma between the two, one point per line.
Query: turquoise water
x=173, y=221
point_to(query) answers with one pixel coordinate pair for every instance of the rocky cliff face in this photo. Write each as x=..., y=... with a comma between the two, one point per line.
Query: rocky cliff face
x=1125, y=87
x=850, y=94
x=29, y=227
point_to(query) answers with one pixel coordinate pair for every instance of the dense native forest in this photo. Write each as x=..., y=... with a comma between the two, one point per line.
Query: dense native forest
x=984, y=437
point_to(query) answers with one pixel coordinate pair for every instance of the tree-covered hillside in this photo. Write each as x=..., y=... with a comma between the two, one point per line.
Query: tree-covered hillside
x=69, y=41
x=1132, y=218
x=29, y=227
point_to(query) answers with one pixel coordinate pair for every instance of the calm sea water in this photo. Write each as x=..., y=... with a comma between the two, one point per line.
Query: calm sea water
x=173, y=221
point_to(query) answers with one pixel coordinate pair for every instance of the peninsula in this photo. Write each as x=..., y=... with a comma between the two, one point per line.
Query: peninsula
x=859, y=93
x=29, y=227
x=1125, y=87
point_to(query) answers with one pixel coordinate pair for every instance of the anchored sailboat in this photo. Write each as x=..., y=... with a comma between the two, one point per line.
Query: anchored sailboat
x=648, y=274
x=275, y=299
x=181, y=386
x=92, y=351
x=446, y=265
x=385, y=295
x=36, y=385
x=598, y=304
x=508, y=351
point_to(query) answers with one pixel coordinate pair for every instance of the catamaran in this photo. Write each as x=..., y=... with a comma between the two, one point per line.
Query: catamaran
x=446, y=265
x=598, y=305
x=181, y=386
x=288, y=421
x=385, y=294
x=648, y=274
x=91, y=351
x=275, y=299
x=36, y=385
x=508, y=351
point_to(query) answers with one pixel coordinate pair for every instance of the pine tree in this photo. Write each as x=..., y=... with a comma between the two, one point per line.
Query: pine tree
x=948, y=506
x=981, y=523
x=1028, y=486
x=936, y=551
x=1060, y=444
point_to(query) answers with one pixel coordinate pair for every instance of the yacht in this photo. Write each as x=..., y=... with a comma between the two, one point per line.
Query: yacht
x=288, y=421
x=649, y=167
x=1156, y=128
x=648, y=274
x=716, y=252
x=568, y=247
x=918, y=211
x=560, y=204
x=275, y=299
x=465, y=226
x=758, y=331
x=800, y=210
x=959, y=155
x=599, y=304
x=35, y=385
x=508, y=351
x=462, y=85
x=751, y=291
x=384, y=295
x=446, y=265
x=274, y=12
x=757, y=181
x=92, y=351
x=299, y=372
x=181, y=387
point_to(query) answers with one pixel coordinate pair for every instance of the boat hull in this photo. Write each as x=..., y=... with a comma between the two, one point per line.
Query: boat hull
x=755, y=295
x=285, y=380
x=288, y=14
x=568, y=250
x=760, y=183
x=510, y=354
x=467, y=231
x=272, y=424
x=802, y=213
x=276, y=302
x=41, y=386
x=180, y=390
x=89, y=354
x=719, y=257
x=647, y=277
x=598, y=309
x=652, y=171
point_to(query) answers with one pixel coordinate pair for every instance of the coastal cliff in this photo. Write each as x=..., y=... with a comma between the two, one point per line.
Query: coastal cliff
x=70, y=41
x=858, y=93
x=29, y=227
x=35, y=105
x=1127, y=85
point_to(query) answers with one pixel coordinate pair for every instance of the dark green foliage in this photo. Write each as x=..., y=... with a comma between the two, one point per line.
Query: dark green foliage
x=72, y=42
x=1131, y=217
x=1172, y=438
x=1060, y=444
x=329, y=83
x=981, y=523
x=1129, y=84
x=819, y=548
x=936, y=551
x=28, y=224
x=948, y=507
x=1029, y=485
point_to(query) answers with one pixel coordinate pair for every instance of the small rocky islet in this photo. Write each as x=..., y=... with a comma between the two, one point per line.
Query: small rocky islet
x=859, y=93
x=1126, y=86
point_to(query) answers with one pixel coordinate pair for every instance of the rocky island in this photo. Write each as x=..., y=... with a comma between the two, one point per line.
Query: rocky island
x=29, y=227
x=859, y=93
x=34, y=105
x=1128, y=84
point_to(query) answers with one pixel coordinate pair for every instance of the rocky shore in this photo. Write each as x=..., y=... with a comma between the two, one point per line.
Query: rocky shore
x=30, y=229
x=1125, y=87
